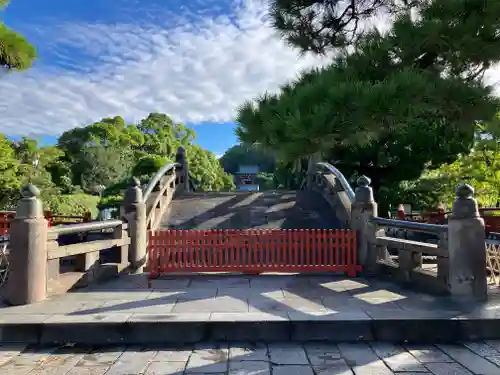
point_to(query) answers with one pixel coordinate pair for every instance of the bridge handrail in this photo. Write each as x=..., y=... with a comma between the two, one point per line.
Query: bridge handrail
x=340, y=177
x=410, y=225
x=85, y=227
x=157, y=177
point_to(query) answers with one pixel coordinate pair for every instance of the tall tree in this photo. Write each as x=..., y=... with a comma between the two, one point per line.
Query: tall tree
x=399, y=103
x=248, y=155
x=16, y=53
x=10, y=181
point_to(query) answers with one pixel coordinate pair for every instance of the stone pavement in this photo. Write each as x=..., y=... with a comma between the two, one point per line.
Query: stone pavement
x=254, y=308
x=481, y=358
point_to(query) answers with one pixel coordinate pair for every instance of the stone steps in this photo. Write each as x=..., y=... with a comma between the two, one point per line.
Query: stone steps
x=179, y=329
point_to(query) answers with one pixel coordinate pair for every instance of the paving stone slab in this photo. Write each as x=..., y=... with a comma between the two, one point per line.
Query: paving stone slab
x=447, y=369
x=339, y=367
x=103, y=357
x=146, y=306
x=172, y=355
x=495, y=360
x=292, y=370
x=428, y=354
x=165, y=368
x=87, y=371
x=221, y=304
x=285, y=304
x=326, y=356
x=131, y=362
x=248, y=352
x=208, y=361
x=249, y=367
x=8, y=351
x=470, y=360
x=287, y=354
x=482, y=349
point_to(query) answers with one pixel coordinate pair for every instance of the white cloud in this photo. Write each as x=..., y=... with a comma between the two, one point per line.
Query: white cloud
x=193, y=67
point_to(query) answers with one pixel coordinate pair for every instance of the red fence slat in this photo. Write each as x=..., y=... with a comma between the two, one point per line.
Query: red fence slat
x=252, y=251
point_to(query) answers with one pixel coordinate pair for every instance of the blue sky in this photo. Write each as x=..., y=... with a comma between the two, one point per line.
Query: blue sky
x=195, y=60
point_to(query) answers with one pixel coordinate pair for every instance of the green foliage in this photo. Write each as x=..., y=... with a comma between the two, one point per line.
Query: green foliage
x=16, y=53
x=479, y=168
x=111, y=201
x=266, y=181
x=9, y=172
x=98, y=160
x=149, y=165
x=75, y=204
x=247, y=155
x=206, y=171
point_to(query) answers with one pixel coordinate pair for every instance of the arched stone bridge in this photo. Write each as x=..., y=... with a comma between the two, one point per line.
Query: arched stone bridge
x=167, y=227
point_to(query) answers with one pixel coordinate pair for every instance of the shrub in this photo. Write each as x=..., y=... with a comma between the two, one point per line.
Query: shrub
x=149, y=165
x=75, y=204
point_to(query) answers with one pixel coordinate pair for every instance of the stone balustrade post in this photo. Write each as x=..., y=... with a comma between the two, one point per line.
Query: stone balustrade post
x=27, y=282
x=134, y=209
x=363, y=209
x=181, y=158
x=467, y=249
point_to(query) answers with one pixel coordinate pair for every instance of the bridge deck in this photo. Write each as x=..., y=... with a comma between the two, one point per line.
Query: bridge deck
x=266, y=307
x=243, y=210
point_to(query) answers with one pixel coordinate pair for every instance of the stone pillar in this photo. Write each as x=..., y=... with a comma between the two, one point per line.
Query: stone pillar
x=27, y=282
x=363, y=209
x=181, y=158
x=134, y=209
x=467, y=249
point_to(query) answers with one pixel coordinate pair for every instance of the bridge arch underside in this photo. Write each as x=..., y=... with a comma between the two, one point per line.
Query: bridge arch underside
x=245, y=210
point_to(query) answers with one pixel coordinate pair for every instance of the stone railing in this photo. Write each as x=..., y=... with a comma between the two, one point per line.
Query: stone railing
x=36, y=252
x=460, y=251
x=87, y=255
x=335, y=189
x=407, y=265
x=36, y=256
x=144, y=212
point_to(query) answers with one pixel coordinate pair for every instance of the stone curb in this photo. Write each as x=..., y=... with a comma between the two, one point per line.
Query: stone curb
x=186, y=332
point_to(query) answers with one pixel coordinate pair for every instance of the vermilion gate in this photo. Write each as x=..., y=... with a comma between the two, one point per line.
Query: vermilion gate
x=252, y=251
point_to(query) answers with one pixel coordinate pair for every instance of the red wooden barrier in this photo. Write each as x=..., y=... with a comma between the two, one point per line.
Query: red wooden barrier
x=7, y=216
x=489, y=214
x=252, y=251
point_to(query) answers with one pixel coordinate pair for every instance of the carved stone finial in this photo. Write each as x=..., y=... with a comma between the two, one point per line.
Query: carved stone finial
x=364, y=181
x=180, y=156
x=29, y=206
x=465, y=205
x=364, y=192
x=134, y=182
x=30, y=191
x=465, y=191
x=133, y=194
